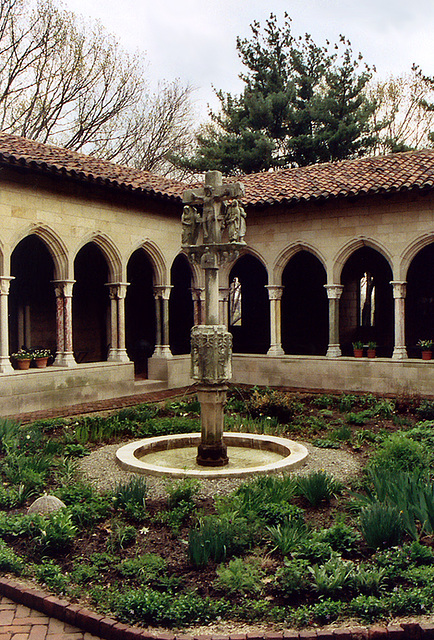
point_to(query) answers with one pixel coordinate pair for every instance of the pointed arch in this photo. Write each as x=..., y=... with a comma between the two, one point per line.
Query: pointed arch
x=109, y=251
x=289, y=252
x=156, y=258
x=411, y=251
x=54, y=244
x=348, y=249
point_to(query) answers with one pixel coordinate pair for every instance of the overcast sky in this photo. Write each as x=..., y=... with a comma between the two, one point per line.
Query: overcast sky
x=195, y=40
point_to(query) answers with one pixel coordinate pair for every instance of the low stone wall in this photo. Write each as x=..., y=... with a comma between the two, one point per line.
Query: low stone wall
x=41, y=389
x=376, y=375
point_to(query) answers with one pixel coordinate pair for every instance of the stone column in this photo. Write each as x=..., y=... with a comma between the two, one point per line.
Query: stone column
x=399, y=293
x=162, y=295
x=275, y=292
x=224, y=306
x=334, y=292
x=65, y=354
x=198, y=295
x=5, y=363
x=117, y=351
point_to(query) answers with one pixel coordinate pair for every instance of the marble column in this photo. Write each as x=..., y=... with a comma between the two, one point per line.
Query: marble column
x=5, y=363
x=275, y=292
x=224, y=306
x=334, y=292
x=198, y=295
x=399, y=293
x=162, y=295
x=117, y=351
x=65, y=353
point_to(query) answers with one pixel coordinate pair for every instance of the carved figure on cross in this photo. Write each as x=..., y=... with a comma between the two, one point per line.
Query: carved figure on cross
x=211, y=196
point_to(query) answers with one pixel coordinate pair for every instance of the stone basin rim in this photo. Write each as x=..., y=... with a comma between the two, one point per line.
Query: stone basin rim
x=294, y=455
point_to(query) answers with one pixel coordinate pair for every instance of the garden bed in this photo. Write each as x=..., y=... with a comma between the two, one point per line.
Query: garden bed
x=349, y=536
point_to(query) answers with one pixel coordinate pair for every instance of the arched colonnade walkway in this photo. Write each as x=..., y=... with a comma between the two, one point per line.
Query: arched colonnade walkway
x=90, y=307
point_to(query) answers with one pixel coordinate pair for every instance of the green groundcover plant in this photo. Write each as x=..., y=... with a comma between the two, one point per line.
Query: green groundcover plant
x=295, y=550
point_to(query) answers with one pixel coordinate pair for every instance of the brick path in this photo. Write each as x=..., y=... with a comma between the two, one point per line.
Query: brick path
x=18, y=622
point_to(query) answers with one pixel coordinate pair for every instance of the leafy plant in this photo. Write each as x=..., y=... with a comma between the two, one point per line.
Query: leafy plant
x=332, y=576
x=293, y=577
x=368, y=580
x=318, y=486
x=240, y=576
x=425, y=410
x=120, y=536
x=287, y=537
x=381, y=525
x=131, y=496
x=218, y=537
x=400, y=453
x=56, y=531
x=182, y=492
x=148, y=568
x=10, y=561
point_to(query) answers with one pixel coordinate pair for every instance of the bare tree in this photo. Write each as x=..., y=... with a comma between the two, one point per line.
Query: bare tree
x=401, y=116
x=66, y=82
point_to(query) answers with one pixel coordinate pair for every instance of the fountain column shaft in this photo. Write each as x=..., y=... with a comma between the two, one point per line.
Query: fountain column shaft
x=212, y=296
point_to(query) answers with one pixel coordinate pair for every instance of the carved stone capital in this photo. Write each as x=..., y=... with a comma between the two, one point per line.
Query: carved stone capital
x=63, y=288
x=117, y=290
x=5, y=282
x=211, y=350
x=334, y=291
x=399, y=288
x=275, y=291
x=162, y=291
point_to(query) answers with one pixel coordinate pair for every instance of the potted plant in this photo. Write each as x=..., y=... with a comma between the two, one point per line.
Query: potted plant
x=372, y=349
x=358, y=349
x=22, y=359
x=40, y=356
x=426, y=348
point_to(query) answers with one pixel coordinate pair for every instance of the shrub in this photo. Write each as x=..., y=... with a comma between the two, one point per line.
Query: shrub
x=381, y=525
x=340, y=536
x=293, y=577
x=182, y=492
x=318, y=486
x=425, y=410
x=154, y=608
x=239, y=577
x=400, y=453
x=274, y=404
x=368, y=608
x=50, y=574
x=10, y=561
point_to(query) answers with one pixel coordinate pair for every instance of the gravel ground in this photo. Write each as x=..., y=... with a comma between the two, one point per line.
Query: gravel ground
x=101, y=469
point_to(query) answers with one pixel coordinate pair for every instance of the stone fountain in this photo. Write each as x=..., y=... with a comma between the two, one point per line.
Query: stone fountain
x=211, y=238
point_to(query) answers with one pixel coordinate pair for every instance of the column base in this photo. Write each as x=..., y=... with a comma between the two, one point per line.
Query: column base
x=334, y=351
x=275, y=350
x=212, y=455
x=400, y=353
x=65, y=359
x=5, y=365
x=118, y=355
x=162, y=351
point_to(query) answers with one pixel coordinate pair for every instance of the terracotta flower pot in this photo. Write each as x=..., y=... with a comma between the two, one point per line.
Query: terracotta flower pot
x=41, y=363
x=23, y=364
x=426, y=355
x=371, y=353
x=358, y=353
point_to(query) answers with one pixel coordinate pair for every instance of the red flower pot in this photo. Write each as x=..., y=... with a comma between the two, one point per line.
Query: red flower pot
x=426, y=355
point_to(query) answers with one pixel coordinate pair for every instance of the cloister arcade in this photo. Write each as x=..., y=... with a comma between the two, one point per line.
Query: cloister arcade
x=95, y=305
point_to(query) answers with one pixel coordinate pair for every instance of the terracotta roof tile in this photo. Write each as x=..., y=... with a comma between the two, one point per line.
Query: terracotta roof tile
x=35, y=155
x=378, y=174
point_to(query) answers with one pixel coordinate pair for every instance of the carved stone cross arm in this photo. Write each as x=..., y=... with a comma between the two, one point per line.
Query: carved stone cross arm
x=210, y=196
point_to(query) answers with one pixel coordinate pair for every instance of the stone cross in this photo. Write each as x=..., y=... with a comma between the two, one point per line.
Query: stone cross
x=211, y=343
x=211, y=196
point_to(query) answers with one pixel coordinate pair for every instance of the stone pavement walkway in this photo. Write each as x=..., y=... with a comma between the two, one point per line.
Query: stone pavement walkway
x=18, y=622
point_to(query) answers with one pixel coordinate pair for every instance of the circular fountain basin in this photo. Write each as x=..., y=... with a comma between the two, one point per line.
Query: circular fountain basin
x=175, y=456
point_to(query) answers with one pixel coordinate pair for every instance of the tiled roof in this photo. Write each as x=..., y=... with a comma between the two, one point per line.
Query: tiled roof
x=378, y=174
x=15, y=150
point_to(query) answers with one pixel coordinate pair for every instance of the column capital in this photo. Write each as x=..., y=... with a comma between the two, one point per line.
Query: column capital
x=117, y=289
x=5, y=282
x=275, y=291
x=399, y=288
x=63, y=288
x=224, y=293
x=162, y=291
x=334, y=291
